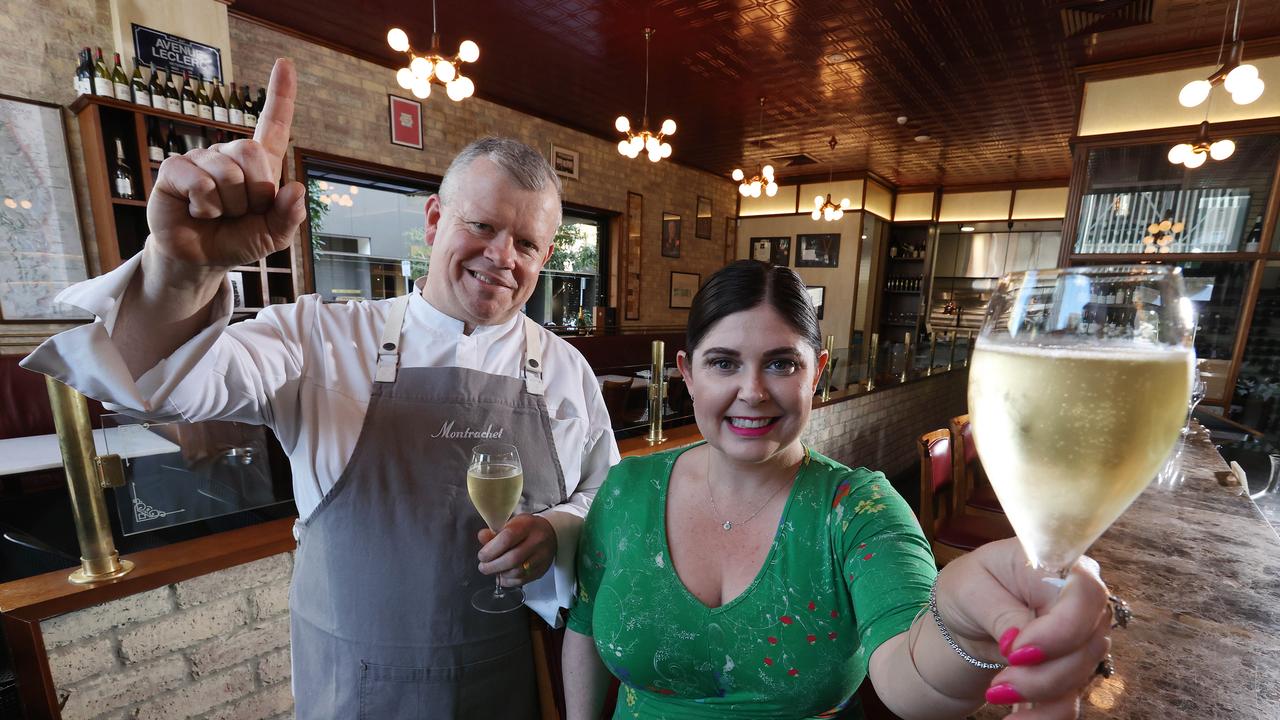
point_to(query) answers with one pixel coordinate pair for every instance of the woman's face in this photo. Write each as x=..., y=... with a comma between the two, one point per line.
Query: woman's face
x=752, y=379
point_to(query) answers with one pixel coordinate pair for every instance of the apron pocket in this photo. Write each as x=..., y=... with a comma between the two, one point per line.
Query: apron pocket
x=388, y=692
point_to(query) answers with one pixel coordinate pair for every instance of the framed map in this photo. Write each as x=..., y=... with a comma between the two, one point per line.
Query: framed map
x=41, y=247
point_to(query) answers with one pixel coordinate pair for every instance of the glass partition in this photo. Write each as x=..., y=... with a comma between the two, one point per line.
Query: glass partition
x=1217, y=207
x=1256, y=401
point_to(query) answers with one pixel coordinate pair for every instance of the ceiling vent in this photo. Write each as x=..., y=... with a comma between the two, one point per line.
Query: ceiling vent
x=1089, y=17
x=793, y=160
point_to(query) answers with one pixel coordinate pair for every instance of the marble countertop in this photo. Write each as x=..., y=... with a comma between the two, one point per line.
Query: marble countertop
x=1200, y=567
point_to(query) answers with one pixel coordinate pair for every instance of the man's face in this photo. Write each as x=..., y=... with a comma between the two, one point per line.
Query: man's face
x=488, y=245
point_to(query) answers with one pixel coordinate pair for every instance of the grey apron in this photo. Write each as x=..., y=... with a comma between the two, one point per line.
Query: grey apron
x=380, y=610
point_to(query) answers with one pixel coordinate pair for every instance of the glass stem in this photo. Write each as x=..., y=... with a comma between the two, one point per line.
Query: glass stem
x=497, y=587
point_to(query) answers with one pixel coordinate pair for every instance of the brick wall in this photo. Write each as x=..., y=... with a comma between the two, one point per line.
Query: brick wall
x=215, y=647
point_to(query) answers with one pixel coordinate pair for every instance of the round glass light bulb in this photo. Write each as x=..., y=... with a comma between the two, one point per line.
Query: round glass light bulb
x=1165, y=225
x=1195, y=160
x=844, y=203
x=651, y=144
x=421, y=88
x=398, y=39
x=817, y=201
x=816, y=215
x=1148, y=240
x=1251, y=90
x=1239, y=76
x=468, y=87
x=420, y=67
x=637, y=143
x=744, y=190
x=1194, y=93
x=468, y=51
x=1222, y=149
x=738, y=175
x=454, y=90
x=668, y=127
x=654, y=156
x=445, y=71
x=771, y=189
x=1153, y=228
x=1178, y=227
x=1149, y=249
x=755, y=187
x=666, y=149
x=624, y=147
x=767, y=172
x=1178, y=153
x=353, y=190
x=622, y=124
x=404, y=78
x=839, y=214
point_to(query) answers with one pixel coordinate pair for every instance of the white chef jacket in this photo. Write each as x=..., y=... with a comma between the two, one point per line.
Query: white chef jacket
x=306, y=371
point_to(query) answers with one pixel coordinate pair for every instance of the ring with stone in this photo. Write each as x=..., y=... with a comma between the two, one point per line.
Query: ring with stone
x=1106, y=668
x=524, y=566
x=1120, y=612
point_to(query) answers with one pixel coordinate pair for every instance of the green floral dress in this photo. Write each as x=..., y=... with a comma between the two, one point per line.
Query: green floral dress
x=848, y=569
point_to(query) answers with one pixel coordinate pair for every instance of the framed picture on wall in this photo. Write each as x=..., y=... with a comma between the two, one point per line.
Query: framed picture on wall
x=817, y=295
x=702, y=221
x=41, y=247
x=818, y=251
x=632, y=243
x=773, y=250
x=683, y=287
x=564, y=161
x=406, y=122
x=670, y=235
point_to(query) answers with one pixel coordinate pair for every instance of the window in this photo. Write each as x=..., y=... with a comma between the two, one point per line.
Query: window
x=570, y=287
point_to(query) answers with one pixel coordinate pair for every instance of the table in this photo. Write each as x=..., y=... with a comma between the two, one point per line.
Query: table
x=1200, y=568
x=41, y=452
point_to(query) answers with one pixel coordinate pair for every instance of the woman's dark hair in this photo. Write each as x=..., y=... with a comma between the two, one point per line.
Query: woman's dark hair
x=744, y=284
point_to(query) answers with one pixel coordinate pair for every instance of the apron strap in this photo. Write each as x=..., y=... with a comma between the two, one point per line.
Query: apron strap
x=533, y=357
x=389, y=345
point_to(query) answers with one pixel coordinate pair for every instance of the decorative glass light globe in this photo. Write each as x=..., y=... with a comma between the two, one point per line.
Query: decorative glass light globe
x=744, y=190
x=666, y=149
x=1178, y=227
x=1178, y=153
x=468, y=87
x=398, y=40
x=816, y=215
x=420, y=67
x=1251, y=90
x=844, y=203
x=767, y=172
x=655, y=156
x=755, y=188
x=668, y=127
x=445, y=71
x=738, y=175
x=1195, y=159
x=771, y=189
x=1148, y=240
x=839, y=214
x=421, y=88
x=623, y=147
x=404, y=78
x=1239, y=76
x=1149, y=249
x=622, y=124
x=1153, y=228
x=651, y=144
x=454, y=90
x=637, y=144
x=1222, y=149
x=1194, y=93
x=468, y=51
x=817, y=201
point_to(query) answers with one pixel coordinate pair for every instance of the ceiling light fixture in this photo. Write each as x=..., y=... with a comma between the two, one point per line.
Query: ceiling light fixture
x=763, y=181
x=1239, y=79
x=653, y=143
x=1194, y=154
x=434, y=67
x=825, y=209
x=1161, y=234
x=966, y=228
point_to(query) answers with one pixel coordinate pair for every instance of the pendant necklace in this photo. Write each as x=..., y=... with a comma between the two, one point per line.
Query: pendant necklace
x=729, y=524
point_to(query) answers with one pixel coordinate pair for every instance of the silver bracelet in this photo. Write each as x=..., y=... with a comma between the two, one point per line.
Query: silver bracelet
x=946, y=634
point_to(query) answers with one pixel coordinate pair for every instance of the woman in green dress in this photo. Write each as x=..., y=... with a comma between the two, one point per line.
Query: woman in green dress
x=751, y=577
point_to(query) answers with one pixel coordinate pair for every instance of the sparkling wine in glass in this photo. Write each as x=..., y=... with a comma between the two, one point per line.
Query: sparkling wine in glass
x=495, y=480
x=1077, y=390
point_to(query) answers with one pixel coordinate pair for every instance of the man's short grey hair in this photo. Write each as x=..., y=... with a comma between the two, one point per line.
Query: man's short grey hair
x=526, y=166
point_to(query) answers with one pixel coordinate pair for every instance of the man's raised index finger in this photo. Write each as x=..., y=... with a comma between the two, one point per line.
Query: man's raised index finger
x=275, y=119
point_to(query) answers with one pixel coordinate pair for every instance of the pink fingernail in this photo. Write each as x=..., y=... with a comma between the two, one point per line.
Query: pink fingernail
x=1029, y=655
x=1003, y=694
x=1006, y=640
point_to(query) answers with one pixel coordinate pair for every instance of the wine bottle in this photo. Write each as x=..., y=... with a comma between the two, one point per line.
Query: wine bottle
x=250, y=110
x=171, y=146
x=102, y=78
x=156, y=88
x=188, y=96
x=219, y=105
x=1255, y=236
x=120, y=82
x=204, y=106
x=172, y=100
x=84, y=73
x=235, y=110
x=155, y=150
x=261, y=102
x=141, y=95
x=123, y=177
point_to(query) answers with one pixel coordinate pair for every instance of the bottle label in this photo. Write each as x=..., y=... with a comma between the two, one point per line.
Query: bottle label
x=123, y=92
x=172, y=105
x=158, y=101
x=236, y=116
x=251, y=120
x=103, y=86
x=124, y=187
x=206, y=112
x=142, y=97
x=155, y=153
x=174, y=153
x=219, y=113
x=84, y=86
x=189, y=107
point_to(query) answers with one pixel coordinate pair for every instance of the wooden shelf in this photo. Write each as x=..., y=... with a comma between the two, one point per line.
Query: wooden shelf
x=903, y=292
x=83, y=101
x=127, y=201
x=912, y=259
x=284, y=271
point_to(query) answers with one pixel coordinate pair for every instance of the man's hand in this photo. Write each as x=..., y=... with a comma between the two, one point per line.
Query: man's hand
x=521, y=553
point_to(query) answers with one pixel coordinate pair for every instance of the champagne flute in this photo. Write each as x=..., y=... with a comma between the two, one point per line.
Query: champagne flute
x=1197, y=394
x=1077, y=390
x=495, y=480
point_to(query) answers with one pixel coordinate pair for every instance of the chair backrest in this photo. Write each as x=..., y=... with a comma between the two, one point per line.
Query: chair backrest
x=936, y=486
x=24, y=402
x=615, y=397
x=968, y=471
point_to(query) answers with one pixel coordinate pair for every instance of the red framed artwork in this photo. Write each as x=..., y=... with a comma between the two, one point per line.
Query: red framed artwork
x=406, y=122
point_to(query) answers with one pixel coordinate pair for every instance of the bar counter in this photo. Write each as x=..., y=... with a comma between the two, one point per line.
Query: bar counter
x=1200, y=568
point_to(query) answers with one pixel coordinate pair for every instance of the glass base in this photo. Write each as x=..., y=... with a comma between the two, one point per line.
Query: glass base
x=498, y=600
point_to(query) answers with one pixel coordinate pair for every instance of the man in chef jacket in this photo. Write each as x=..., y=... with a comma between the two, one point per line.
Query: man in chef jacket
x=378, y=405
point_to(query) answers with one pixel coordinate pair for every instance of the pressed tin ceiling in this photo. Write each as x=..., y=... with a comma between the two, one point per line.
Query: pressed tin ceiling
x=990, y=82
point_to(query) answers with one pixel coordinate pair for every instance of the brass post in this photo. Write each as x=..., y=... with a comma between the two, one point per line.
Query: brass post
x=657, y=391
x=830, y=347
x=871, y=361
x=933, y=348
x=907, y=359
x=98, y=557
